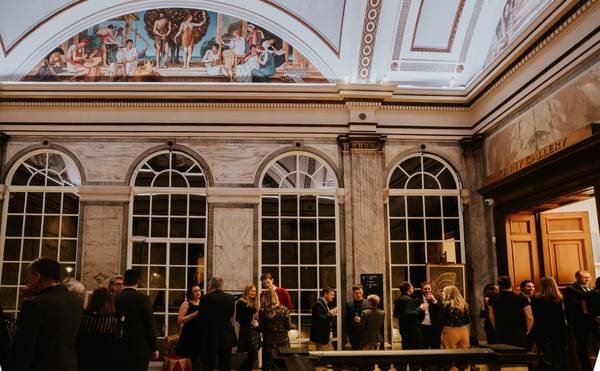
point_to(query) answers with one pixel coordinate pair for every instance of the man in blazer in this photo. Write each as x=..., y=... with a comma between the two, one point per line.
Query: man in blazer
x=576, y=319
x=372, y=320
x=431, y=325
x=353, y=311
x=48, y=323
x=215, y=313
x=322, y=317
x=409, y=316
x=138, y=343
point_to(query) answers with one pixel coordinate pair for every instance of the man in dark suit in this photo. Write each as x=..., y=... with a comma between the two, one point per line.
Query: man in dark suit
x=321, y=319
x=431, y=326
x=409, y=316
x=48, y=323
x=138, y=343
x=215, y=313
x=576, y=319
x=353, y=311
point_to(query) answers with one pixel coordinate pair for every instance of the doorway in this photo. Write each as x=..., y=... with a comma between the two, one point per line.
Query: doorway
x=554, y=238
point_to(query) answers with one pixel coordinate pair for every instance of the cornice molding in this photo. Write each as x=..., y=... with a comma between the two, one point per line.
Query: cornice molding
x=370, y=142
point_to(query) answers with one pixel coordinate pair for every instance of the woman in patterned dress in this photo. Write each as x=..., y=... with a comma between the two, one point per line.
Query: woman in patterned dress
x=274, y=323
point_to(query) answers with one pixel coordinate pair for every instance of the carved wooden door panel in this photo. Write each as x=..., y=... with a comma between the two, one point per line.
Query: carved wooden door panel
x=566, y=245
x=522, y=248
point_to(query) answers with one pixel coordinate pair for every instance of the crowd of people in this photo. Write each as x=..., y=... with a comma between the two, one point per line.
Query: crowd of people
x=116, y=329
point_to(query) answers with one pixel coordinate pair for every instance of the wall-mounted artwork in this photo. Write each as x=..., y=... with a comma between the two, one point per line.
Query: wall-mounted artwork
x=516, y=15
x=442, y=275
x=176, y=44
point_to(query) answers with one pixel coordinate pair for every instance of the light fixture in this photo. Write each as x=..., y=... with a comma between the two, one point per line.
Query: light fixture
x=69, y=269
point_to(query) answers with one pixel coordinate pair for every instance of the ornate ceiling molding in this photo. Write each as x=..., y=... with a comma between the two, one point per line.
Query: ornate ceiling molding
x=6, y=48
x=367, y=39
x=451, y=37
x=464, y=50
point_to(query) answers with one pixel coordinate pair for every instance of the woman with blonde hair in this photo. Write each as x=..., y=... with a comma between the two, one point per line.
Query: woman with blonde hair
x=549, y=326
x=455, y=330
x=274, y=323
x=246, y=314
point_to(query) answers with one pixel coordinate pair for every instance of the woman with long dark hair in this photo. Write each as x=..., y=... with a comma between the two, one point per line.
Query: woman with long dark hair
x=246, y=314
x=98, y=332
x=189, y=344
x=549, y=324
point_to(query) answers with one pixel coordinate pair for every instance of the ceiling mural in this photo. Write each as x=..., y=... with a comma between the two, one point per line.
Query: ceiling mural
x=176, y=44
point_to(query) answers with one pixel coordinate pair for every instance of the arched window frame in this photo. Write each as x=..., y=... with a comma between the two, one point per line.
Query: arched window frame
x=423, y=192
x=169, y=314
x=329, y=191
x=73, y=176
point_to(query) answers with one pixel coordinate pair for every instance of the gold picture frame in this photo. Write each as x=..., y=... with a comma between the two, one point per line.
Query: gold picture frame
x=442, y=275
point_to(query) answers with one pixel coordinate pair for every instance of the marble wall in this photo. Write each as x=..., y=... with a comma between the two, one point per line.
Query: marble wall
x=571, y=107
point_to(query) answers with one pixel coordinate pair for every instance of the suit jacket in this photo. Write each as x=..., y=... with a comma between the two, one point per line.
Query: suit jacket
x=321, y=322
x=46, y=332
x=351, y=328
x=436, y=311
x=215, y=313
x=372, y=321
x=573, y=296
x=139, y=329
x=409, y=317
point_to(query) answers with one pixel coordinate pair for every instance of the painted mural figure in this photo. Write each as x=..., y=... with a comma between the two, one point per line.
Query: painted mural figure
x=187, y=37
x=161, y=30
x=145, y=45
x=212, y=61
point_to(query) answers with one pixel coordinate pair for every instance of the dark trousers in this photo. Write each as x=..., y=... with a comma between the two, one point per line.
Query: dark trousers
x=355, y=341
x=582, y=338
x=222, y=358
x=248, y=363
x=554, y=356
x=512, y=336
x=431, y=337
x=138, y=364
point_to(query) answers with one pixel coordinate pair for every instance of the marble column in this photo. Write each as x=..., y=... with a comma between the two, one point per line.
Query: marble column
x=103, y=227
x=365, y=217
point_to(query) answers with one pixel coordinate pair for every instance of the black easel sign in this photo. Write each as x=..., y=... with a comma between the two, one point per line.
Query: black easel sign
x=372, y=283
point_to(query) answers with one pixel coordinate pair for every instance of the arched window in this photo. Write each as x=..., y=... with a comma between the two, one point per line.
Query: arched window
x=425, y=218
x=167, y=233
x=40, y=219
x=299, y=236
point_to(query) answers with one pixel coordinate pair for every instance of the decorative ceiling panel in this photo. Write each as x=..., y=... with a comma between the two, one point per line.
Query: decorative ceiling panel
x=18, y=17
x=436, y=25
x=325, y=18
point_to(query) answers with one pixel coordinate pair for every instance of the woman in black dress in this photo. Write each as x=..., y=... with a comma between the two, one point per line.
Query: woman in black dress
x=189, y=345
x=549, y=325
x=246, y=314
x=98, y=332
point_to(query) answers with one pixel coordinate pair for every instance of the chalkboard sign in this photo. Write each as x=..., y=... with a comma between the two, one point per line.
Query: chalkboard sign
x=372, y=283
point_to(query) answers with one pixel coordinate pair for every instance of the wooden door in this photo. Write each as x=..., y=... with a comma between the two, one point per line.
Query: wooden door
x=566, y=245
x=522, y=248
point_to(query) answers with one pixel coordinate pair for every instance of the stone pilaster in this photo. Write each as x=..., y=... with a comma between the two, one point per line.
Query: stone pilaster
x=363, y=179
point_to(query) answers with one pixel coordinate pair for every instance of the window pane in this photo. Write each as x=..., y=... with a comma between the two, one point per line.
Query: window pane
x=289, y=253
x=10, y=273
x=178, y=181
x=415, y=229
x=12, y=249
x=33, y=224
x=158, y=253
x=177, y=278
x=397, y=229
x=451, y=229
x=289, y=229
x=399, y=274
x=177, y=253
x=327, y=277
x=327, y=229
x=307, y=299
x=326, y=206
x=398, y=179
x=8, y=298
x=178, y=227
x=450, y=204
x=69, y=226
x=270, y=205
x=270, y=229
x=326, y=253
x=197, y=205
x=157, y=278
x=308, y=229
x=270, y=253
x=308, y=253
x=70, y=203
x=16, y=203
x=417, y=275
x=398, y=253
x=158, y=227
x=416, y=253
x=396, y=206
x=434, y=229
x=68, y=250
x=415, y=205
x=140, y=226
x=447, y=180
x=31, y=249
x=197, y=228
x=50, y=249
x=429, y=182
x=308, y=277
x=289, y=205
x=14, y=225
x=179, y=204
x=412, y=165
x=139, y=253
x=141, y=205
x=289, y=277
x=434, y=252
x=52, y=203
x=34, y=202
x=160, y=204
x=308, y=206
x=432, y=166
x=416, y=182
x=433, y=206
